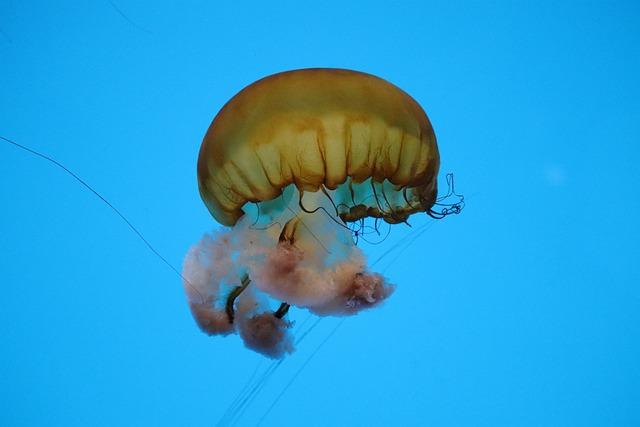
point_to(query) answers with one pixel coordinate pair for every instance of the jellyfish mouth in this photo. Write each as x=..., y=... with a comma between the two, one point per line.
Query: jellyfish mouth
x=233, y=295
x=300, y=254
x=237, y=291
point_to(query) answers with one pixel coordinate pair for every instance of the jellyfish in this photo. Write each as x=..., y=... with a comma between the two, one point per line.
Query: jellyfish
x=287, y=167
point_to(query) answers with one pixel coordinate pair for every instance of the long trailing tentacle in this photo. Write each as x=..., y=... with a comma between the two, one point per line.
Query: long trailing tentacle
x=299, y=371
x=95, y=192
x=126, y=18
x=236, y=410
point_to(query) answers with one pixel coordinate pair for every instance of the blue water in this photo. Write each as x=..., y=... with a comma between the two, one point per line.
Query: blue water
x=522, y=311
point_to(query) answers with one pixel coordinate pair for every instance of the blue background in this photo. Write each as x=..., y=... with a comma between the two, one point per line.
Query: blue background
x=522, y=311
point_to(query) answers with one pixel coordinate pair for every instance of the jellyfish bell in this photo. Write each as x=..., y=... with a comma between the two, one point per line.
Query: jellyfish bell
x=336, y=129
x=287, y=164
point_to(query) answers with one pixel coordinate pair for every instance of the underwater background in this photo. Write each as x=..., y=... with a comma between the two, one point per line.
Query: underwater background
x=524, y=310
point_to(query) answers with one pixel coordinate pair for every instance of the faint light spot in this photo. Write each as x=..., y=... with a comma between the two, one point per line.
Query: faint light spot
x=555, y=175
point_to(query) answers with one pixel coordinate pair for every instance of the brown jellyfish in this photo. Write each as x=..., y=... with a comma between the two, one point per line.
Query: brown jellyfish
x=287, y=165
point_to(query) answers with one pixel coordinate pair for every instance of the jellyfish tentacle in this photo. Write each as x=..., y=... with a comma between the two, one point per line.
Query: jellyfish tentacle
x=383, y=213
x=321, y=208
x=384, y=196
x=326, y=193
x=353, y=195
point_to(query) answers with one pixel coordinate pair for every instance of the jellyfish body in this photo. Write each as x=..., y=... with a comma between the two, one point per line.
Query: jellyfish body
x=288, y=164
